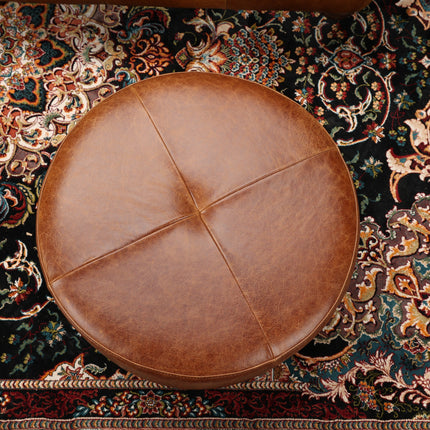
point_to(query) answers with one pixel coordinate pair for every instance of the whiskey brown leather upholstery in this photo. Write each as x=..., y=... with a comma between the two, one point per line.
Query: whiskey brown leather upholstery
x=197, y=228
x=337, y=8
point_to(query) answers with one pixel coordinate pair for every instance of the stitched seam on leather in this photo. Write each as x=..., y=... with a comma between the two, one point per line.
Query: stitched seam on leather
x=204, y=223
x=166, y=148
x=224, y=257
x=100, y=346
x=265, y=176
x=115, y=251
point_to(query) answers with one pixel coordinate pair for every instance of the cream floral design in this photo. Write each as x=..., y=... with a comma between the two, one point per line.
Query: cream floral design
x=417, y=163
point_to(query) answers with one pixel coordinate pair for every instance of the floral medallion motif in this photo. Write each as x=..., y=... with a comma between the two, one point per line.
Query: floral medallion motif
x=142, y=40
x=254, y=53
x=24, y=279
x=44, y=80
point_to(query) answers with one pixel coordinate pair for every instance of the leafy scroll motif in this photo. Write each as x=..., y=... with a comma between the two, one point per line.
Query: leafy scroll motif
x=417, y=163
x=23, y=280
x=418, y=9
x=361, y=382
x=77, y=370
x=392, y=266
x=353, y=86
x=17, y=202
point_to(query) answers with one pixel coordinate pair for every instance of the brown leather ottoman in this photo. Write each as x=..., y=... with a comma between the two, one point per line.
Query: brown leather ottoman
x=197, y=229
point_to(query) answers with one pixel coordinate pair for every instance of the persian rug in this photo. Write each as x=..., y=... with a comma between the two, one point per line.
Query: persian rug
x=365, y=78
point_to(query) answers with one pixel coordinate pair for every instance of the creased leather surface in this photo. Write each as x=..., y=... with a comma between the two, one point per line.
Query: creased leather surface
x=197, y=228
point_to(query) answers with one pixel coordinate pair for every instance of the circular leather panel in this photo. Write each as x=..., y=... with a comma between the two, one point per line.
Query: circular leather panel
x=197, y=229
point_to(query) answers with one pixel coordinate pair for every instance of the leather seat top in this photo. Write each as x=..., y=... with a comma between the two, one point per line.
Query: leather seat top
x=197, y=229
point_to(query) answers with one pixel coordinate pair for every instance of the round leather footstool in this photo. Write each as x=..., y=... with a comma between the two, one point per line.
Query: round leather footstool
x=197, y=229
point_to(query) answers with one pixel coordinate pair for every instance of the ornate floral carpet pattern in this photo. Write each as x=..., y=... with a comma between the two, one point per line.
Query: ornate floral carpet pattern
x=365, y=78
